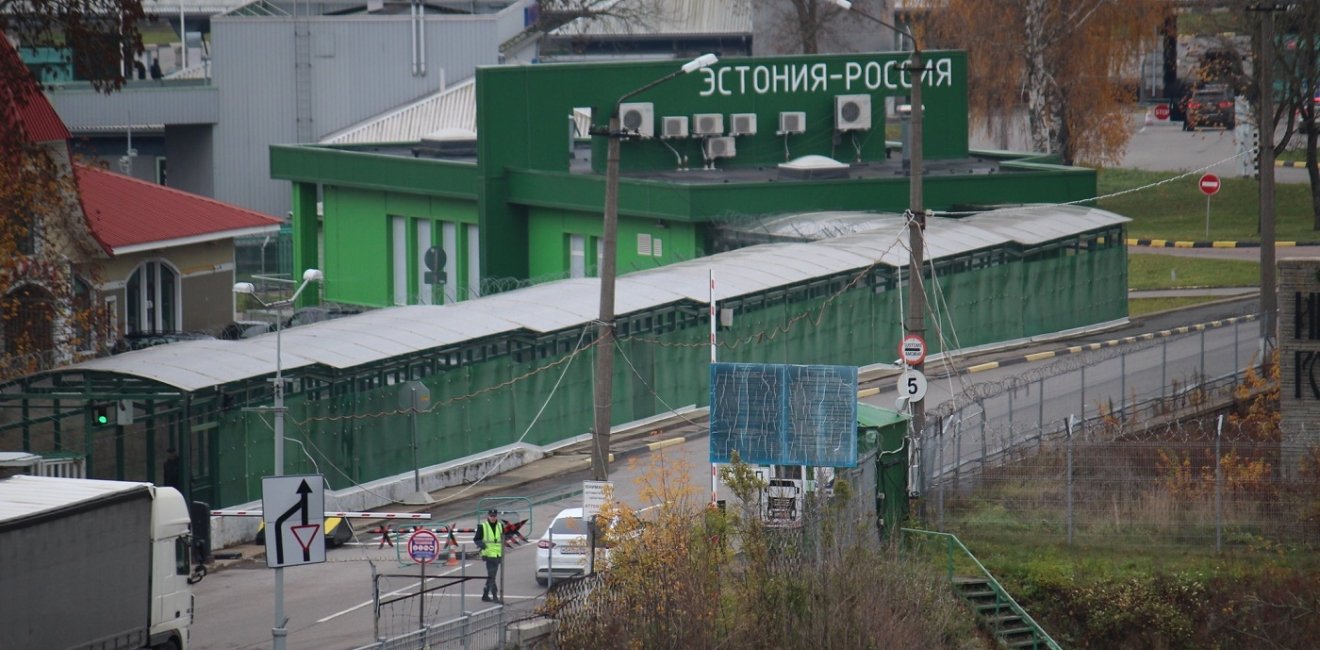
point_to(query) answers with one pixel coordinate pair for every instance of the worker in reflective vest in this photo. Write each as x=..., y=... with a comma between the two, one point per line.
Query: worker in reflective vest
x=490, y=539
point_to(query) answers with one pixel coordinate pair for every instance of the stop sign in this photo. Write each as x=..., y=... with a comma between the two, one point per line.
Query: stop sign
x=1161, y=111
x=1209, y=184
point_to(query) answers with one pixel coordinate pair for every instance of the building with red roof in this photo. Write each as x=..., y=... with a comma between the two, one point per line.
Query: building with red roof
x=94, y=255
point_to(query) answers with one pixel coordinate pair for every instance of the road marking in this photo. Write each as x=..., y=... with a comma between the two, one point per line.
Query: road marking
x=396, y=592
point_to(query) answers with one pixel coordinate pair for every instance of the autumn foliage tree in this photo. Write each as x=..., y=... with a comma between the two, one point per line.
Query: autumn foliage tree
x=685, y=575
x=48, y=260
x=1062, y=61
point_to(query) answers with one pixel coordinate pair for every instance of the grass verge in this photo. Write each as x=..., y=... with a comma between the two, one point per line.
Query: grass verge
x=1176, y=210
x=1143, y=306
x=1147, y=272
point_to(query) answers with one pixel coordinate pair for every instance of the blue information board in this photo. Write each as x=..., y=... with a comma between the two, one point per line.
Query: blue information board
x=777, y=414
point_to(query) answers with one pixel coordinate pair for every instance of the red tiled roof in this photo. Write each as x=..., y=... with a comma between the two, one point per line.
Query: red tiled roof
x=126, y=213
x=35, y=116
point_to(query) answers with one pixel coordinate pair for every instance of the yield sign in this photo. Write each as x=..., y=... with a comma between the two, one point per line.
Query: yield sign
x=294, y=510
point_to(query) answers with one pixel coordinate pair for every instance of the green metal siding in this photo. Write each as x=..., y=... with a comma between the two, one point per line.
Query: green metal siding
x=550, y=229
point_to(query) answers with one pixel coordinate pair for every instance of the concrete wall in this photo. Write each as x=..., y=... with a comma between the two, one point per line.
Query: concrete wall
x=1299, y=358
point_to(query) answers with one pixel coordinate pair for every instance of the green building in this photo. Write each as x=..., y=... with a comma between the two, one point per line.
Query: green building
x=819, y=274
x=744, y=139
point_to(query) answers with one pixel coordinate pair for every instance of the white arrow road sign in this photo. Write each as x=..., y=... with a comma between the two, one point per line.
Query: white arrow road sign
x=294, y=511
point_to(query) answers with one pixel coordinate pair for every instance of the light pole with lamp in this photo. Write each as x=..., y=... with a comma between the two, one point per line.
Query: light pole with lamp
x=279, y=633
x=916, y=316
x=603, y=392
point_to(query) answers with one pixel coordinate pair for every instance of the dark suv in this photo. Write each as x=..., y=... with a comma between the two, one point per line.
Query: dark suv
x=1210, y=104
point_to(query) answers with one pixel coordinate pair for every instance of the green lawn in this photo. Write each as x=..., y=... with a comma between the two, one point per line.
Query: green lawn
x=1176, y=210
x=1143, y=306
x=1177, y=272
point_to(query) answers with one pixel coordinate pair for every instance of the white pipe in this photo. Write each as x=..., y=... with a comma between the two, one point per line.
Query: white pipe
x=421, y=41
x=412, y=31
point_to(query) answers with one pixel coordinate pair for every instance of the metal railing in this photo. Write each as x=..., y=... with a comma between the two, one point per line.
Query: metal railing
x=1002, y=596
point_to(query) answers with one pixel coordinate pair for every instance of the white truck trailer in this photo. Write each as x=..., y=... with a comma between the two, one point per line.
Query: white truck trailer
x=89, y=564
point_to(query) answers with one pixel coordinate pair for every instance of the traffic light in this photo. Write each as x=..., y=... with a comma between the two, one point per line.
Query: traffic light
x=103, y=414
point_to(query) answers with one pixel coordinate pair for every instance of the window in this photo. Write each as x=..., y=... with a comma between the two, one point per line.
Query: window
x=399, y=255
x=25, y=233
x=474, y=261
x=29, y=317
x=577, y=256
x=152, y=295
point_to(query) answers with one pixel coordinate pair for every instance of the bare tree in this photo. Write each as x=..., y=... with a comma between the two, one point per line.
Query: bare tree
x=815, y=26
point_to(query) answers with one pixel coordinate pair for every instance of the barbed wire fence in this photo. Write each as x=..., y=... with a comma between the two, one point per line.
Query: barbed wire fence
x=1131, y=462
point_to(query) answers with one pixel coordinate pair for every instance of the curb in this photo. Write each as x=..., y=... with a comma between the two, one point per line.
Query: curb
x=1169, y=243
x=1078, y=349
x=1300, y=164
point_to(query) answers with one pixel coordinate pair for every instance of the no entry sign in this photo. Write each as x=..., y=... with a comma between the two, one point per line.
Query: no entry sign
x=1209, y=184
x=913, y=349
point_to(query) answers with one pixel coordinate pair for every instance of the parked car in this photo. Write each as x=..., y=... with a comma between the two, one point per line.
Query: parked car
x=1210, y=104
x=562, y=550
x=143, y=340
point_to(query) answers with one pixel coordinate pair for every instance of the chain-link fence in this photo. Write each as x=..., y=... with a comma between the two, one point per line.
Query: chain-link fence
x=1151, y=443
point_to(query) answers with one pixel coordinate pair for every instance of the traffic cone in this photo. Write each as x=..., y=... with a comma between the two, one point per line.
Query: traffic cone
x=453, y=558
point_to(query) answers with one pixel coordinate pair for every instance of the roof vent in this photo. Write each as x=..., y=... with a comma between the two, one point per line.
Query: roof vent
x=813, y=167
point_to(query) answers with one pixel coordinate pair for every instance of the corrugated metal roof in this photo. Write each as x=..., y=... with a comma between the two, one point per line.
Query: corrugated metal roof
x=452, y=108
x=23, y=496
x=123, y=211
x=381, y=334
x=643, y=18
x=1032, y=225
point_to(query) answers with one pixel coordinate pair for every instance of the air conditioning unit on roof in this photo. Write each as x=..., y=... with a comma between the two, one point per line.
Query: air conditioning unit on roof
x=723, y=147
x=674, y=127
x=852, y=113
x=792, y=122
x=637, y=118
x=708, y=124
x=743, y=124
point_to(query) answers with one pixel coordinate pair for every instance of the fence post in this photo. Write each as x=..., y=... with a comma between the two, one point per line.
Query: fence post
x=1122, y=382
x=957, y=454
x=1236, y=363
x=1083, y=392
x=984, y=417
x=944, y=426
x=375, y=601
x=1204, y=374
x=1040, y=416
x=1219, y=488
x=1068, y=425
x=1163, y=367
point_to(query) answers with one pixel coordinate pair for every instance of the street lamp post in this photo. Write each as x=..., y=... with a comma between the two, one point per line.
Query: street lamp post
x=603, y=392
x=279, y=633
x=916, y=316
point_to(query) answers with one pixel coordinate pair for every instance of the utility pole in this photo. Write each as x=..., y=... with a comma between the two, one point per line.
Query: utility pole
x=1264, y=74
x=603, y=388
x=916, y=316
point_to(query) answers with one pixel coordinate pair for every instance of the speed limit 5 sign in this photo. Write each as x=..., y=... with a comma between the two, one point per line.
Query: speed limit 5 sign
x=912, y=385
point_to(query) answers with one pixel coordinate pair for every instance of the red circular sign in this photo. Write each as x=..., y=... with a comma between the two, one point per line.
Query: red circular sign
x=423, y=546
x=1161, y=111
x=1209, y=184
x=913, y=349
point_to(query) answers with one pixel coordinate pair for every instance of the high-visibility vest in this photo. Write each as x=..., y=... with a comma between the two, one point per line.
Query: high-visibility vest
x=492, y=534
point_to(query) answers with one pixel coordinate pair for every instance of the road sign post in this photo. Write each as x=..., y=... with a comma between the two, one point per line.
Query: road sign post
x=294, y=510
x=423, y=546
x=1209, y=185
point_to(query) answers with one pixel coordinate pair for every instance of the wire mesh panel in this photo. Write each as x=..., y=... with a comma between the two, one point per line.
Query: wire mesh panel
x=775, y=414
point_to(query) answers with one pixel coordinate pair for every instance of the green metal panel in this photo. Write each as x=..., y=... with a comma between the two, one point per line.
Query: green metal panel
x=306, y=234
x=364, y=170
x=357, y=244
x=551, y=228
